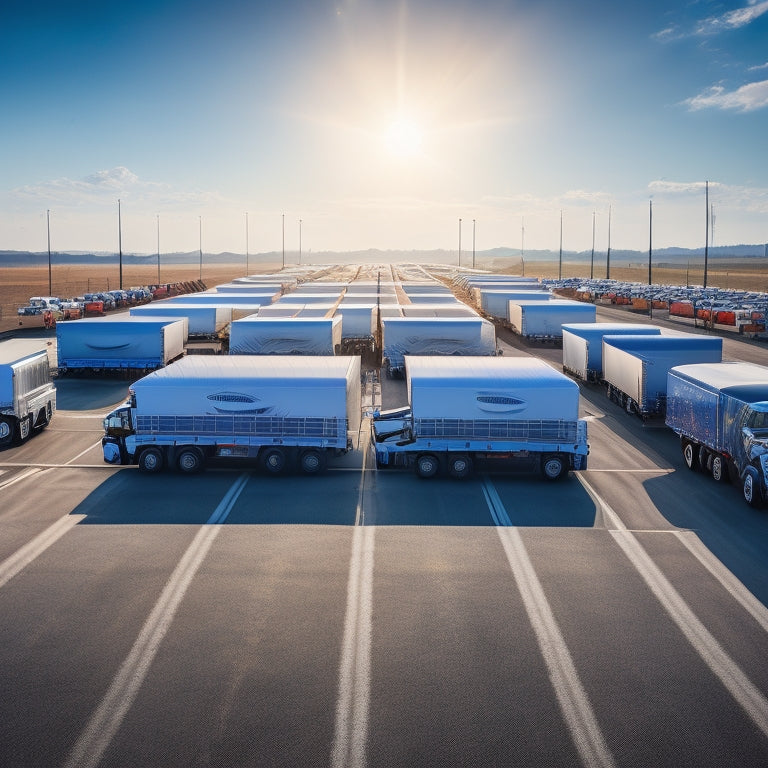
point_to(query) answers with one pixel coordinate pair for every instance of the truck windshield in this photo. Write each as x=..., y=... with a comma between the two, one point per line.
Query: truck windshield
x=757, y=420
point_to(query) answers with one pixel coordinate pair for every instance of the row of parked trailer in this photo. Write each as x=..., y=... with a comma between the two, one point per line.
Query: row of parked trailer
x=471, y=410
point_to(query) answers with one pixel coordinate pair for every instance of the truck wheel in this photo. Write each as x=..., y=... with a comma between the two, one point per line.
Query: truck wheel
x=43, y=419
x=24, y=428
x=190, y=461
x=720, y=471
x=750, y=487
x=313, y=462
x=705, y=459
x=7, y=428
x=690, y=455
x=460, y=466
x=151, y=460
x=273, y=460
x=553, y=467
x=427, y=465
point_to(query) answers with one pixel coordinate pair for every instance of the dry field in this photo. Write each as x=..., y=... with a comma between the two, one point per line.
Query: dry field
x=17, y=284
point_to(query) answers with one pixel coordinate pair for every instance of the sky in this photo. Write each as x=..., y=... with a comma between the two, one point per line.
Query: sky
x=354, y=124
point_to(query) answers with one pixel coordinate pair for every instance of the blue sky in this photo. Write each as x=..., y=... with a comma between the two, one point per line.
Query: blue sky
x=380, y=124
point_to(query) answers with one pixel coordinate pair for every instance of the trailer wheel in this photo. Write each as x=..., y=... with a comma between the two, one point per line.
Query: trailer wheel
x=427, y=465
x=460, y=466
x=190, y=461
x=750, y=487
x=273, y=460
x=43, y=419
x=690, y=455
x=720, y=471
x=313, y=462
x=151, y=460
x=7, y=428
x=553, y=467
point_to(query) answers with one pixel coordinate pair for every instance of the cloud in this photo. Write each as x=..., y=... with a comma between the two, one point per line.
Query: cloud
x=715, y=25
x=662, y=186
x=741, y=198
x=731, y=19
x=103, y=187
x=746, y=98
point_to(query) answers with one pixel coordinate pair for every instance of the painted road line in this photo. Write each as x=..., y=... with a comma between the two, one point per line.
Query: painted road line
x=33, y=549
x=733, y=586
x=82, y=453
x=110, y=713
x=749, y=697
x=21, y=476
x=574, y=702
x=352, y=705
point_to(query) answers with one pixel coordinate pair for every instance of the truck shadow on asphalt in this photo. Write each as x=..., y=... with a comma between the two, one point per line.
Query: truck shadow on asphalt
x=391, y=498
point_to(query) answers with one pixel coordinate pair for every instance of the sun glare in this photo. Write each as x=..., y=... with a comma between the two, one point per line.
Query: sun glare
x=404, y=138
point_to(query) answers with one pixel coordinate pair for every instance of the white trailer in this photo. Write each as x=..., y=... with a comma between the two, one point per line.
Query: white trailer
x=434, y=336
x=496, y=302
x=583, y=345
x=27, y=394
x=203, y=320
x=119, y=343
x=257, y=335
x=635, y=367
x=514, y=413
x=544, y=320
x=284, y=412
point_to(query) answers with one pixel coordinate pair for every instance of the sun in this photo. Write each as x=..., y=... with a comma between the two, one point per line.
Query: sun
x=404, y=138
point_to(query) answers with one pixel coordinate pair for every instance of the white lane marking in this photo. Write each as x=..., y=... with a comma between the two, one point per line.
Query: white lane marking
x=30, y=551
x=734, y=587
x=110, y=713
x=749, y=697
x=21, y=476
x=82, y=453
x=574, y=702
x=352, y=706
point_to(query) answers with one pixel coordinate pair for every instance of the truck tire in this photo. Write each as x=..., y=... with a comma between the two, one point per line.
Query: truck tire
x=7, y=430
x=720, y=470
x=24, y=428
x=460, y=465
x=690, y=455
x=151, y=460
x=553, y=467
x=313, y=462
x=273, y=460
x=190, y=461
x=427, y=465
x=43, y=418
x=750, y=487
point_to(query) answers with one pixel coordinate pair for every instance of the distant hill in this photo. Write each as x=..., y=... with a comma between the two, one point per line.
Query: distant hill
x=661, y=257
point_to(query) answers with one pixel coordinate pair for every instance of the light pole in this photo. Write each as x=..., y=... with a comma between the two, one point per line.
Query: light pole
x=459, y=242
x=706, y=238
x=608, y=255
x=158, y=249
x=592, y=258
x=650, y=254
x=200, y=241
x=283, y=241
x=473, y=243
x=120, y=241
x=299, y=241
x=522, y=245
x=247, y=268
x=560, y=263
x=50, y=281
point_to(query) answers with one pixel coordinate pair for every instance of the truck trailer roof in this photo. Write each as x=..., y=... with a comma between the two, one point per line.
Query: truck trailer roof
x=15, y=350
x=747, y=382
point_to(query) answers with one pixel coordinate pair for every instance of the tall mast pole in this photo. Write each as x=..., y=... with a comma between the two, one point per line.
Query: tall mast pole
x=50, y=281
x=706, y=238
x=120, y=241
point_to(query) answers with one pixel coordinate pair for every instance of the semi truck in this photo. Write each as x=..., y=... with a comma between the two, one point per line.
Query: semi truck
x=583, y=345
x=27, y=394
x=635, y=367
x=720, y=413
x=281, y=411
x=115, y=343
x=508, y=413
